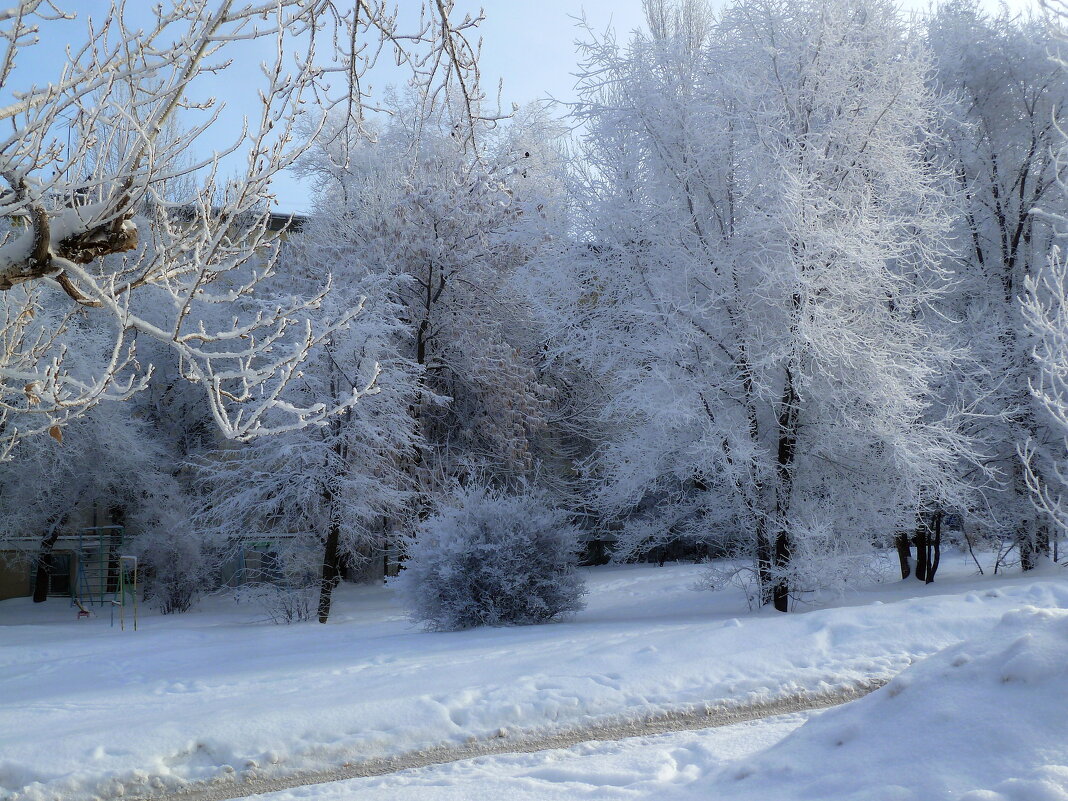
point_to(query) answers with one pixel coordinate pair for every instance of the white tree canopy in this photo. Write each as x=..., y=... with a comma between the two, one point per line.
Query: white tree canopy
x=762, y=262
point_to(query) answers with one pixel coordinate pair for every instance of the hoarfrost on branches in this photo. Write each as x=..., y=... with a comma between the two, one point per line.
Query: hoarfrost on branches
x=758, y=283
x=491, y=559
x=96, y=228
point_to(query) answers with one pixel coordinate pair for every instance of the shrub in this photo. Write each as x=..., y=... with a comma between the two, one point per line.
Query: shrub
x=283, y=604
x=175, y=569
x=490, y=559
x=174, y=589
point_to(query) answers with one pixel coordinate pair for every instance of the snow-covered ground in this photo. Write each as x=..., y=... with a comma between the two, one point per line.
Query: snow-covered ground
x=986, y=720
x=641, y=769
x=86, y=709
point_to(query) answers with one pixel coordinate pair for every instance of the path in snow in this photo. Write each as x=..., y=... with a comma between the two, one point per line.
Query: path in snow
x=248, y=784
x=206, y=700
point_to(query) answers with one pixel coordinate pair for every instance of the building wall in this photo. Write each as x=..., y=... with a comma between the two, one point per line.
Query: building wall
x=14, y=575
x=16, y=580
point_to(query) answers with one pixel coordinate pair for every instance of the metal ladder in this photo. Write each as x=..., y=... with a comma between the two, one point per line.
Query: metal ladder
x=99, y=565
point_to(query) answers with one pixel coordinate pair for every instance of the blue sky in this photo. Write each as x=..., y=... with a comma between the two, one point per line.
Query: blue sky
x=529, y=44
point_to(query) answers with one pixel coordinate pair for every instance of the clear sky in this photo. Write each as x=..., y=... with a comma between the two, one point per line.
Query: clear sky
x=529, y=44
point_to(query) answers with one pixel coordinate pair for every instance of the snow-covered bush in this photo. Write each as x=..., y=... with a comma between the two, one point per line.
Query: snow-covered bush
x=177, y=562
x=492, y=559
x=178, y=574
x=282, y=603
x=737, y=572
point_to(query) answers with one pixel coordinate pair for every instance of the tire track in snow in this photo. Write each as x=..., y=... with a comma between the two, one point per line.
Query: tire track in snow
x=517, y=742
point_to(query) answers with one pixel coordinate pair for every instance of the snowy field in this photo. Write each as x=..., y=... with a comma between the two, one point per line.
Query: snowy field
x=984, y=721
x=87, y=710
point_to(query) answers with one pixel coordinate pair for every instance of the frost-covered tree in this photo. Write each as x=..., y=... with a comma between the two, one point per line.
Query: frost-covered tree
x=1000, y=139
x=337, y=488
x=1044, y=307
x=422, y=230
x=108, y=459
x=1045, y=311
x=763, y=241
x=445, y=224
x=100, y=234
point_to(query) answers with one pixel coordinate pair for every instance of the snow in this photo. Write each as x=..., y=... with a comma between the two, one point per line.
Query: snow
x=637, y=768
x=985, y=720
x=87, y=710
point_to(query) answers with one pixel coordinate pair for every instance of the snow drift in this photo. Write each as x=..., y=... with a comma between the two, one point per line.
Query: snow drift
x=985, y=720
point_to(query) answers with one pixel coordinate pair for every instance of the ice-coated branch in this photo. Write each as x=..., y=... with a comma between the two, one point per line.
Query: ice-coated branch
x=118, y=227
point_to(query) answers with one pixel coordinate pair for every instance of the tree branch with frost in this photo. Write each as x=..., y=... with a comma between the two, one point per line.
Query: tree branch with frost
x=1044, y=306
x=97, y=233
x=39, y=393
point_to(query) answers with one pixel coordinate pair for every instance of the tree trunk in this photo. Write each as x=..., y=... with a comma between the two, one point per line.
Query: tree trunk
x=934, y=542
x=43, y=575
x=1034, y=545
x=928, y=542
x=764, y=560
x=331, y=574
x=781, y=590
x=904, y=553
x=755, y=500
x=920, y=541
x=1028, y=556
x=784, y=463
x=331, y=571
